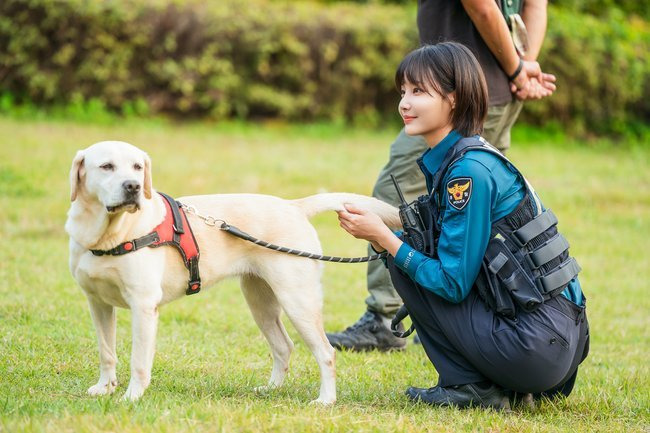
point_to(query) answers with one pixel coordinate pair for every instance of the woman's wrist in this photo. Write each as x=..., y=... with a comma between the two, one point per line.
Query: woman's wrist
x=388, y=241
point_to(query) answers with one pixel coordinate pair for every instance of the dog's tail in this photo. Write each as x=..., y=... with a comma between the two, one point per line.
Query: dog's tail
x=335, y=201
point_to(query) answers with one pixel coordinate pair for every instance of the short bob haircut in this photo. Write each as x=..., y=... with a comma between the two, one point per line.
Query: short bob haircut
x=445, y=68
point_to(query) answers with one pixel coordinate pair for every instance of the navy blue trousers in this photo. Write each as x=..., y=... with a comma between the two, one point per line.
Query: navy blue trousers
x=537, y=352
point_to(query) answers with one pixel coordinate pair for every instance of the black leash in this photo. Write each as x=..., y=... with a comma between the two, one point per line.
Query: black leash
x=212, y=221
x=243, y=235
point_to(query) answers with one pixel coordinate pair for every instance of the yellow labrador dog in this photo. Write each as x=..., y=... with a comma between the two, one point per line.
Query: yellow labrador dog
x=113, y=201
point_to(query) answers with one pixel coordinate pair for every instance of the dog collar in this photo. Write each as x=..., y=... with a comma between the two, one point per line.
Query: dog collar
x=172, y=231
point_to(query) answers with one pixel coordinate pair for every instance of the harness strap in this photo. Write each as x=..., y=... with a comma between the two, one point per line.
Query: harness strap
x=194, y=284
x=129, y=246
x=176, y=213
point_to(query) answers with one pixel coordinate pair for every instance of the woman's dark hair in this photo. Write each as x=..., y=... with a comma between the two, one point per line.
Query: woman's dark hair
x=445, y=68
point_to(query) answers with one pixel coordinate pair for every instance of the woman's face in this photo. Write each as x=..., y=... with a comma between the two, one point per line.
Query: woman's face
x=425, y=112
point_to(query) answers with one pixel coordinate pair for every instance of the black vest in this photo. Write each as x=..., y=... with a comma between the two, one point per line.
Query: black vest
x=526, y=261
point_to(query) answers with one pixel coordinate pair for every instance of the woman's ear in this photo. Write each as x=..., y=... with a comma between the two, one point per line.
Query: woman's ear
x=76, y=173
x=452, y=100
x=147, y=177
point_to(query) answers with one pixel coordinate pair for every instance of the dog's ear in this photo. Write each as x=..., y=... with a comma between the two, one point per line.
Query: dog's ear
x=148, y=185
x=76, y=172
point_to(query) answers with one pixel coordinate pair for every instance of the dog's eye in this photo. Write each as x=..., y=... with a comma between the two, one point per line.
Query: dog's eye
x=137, y=167
x=108, y=166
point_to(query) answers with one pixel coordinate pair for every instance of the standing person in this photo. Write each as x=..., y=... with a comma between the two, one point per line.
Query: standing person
x=481, y=26
x=492, y=292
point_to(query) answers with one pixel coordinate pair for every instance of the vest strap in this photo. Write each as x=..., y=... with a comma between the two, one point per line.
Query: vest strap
x=472, y=143
x=549, y=250
x=497, y=263
x=559, y=277
x=535, y=227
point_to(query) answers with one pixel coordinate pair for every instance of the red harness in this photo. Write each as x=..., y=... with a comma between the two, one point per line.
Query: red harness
x=175, y=231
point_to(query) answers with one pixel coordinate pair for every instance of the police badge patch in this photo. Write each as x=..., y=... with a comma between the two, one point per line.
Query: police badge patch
x=459, y=191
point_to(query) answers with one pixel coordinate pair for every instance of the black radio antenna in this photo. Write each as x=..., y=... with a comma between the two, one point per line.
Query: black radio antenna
x=399, y=191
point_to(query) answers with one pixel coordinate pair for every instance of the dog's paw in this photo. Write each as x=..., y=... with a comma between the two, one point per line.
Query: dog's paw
x=264, y=388
x=133, y=392
x=323, y=402
x=102, y=388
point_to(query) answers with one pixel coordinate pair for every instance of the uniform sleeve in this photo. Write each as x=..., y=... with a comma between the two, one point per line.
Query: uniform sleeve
x=464, y=235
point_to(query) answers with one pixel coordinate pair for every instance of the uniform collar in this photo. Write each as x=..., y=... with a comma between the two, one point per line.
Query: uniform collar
x=431, y=159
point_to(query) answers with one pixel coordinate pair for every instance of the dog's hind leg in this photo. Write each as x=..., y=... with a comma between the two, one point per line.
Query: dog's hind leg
x=266, y=312
x=103, y=316
x=298, y=290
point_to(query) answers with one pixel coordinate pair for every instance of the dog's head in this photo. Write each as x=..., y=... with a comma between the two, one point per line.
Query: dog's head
x=115, y=173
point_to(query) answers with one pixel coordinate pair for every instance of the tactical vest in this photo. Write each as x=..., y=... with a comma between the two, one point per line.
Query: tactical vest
x=527, y=260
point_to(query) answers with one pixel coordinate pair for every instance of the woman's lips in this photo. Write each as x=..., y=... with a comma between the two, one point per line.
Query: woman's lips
x=408, y=119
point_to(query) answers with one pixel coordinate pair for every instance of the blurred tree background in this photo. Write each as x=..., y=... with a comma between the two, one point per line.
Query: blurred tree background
x=298, y=61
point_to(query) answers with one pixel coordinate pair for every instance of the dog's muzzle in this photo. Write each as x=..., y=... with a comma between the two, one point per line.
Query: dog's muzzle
x=131, y=193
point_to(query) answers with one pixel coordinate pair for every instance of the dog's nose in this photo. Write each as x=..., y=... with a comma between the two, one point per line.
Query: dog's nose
x=131, y=187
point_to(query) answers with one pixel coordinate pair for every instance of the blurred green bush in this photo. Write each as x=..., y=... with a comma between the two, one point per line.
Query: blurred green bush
x=290, y=60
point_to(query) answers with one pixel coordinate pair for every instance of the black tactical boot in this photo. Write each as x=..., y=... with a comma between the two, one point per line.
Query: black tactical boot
x=463, y=396
x=370, y=332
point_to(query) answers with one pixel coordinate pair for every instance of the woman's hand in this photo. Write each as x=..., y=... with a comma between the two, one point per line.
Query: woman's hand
x=366, y=225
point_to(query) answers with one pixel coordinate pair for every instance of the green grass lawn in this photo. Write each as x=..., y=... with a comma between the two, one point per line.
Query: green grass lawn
x=210, y=353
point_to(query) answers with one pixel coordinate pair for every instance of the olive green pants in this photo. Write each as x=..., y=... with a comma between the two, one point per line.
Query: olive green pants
x=402, y=163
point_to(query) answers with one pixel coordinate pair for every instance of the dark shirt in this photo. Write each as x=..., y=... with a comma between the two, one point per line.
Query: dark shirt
x=446, y=21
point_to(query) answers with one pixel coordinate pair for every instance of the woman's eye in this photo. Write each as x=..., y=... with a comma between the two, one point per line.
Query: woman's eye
x=417, y=90
x=137, y=167
x=108, y=166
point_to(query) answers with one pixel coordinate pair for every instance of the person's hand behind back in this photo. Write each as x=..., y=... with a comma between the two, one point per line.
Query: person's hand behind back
x=532, y=83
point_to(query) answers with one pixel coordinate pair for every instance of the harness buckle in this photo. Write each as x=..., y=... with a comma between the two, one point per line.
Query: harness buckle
x=193, y=287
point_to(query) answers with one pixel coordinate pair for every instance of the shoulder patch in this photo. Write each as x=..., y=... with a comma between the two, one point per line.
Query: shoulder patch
x=459, y=191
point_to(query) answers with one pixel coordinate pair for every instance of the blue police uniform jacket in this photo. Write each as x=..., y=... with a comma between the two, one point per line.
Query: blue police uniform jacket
x=496, y=190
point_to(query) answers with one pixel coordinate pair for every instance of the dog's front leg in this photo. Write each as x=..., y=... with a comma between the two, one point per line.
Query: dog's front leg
x=144, y=325
x=103, y=316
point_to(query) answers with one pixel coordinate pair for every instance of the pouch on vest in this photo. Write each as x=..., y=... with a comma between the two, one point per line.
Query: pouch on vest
x=504, y=268
x=496, y=300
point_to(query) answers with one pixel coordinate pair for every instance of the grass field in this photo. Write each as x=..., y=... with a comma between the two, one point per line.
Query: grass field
x=210, y=354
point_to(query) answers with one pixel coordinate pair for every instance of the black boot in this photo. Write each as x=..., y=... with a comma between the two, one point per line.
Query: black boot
x=370, y=332
x=463, y=396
